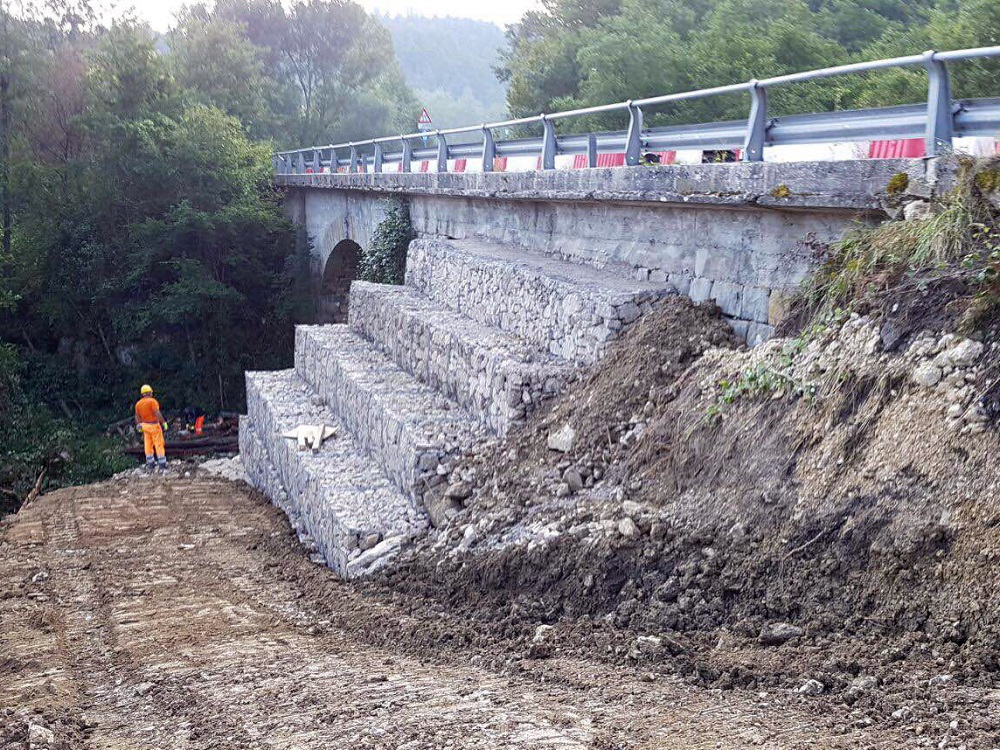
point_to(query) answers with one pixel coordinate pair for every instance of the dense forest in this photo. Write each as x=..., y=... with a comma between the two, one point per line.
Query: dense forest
x=142, y=239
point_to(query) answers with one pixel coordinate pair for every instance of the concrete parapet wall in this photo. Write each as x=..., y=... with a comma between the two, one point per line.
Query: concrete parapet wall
x=858, y=185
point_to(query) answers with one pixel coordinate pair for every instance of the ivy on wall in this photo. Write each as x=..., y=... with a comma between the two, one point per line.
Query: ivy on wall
x=384, y=262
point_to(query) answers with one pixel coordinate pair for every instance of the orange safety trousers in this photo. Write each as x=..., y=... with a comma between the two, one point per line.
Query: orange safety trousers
x=152, y=437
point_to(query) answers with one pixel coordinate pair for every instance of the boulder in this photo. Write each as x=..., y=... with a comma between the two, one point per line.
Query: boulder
x=927, y=375
x=374, y=558
x=573, y=479
x=440, y=508
x=562, y=440
x=779, y=632
x=812, y=687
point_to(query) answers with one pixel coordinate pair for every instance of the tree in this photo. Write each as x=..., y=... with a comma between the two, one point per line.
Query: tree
x=582, y=53
x=213, y=59
x=448, y=63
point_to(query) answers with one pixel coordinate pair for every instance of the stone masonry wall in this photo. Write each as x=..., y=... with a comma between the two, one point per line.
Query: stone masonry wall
x=738, y=258
x=495, y=377
x=572, y=318
x=743, y=235
x=409, y=430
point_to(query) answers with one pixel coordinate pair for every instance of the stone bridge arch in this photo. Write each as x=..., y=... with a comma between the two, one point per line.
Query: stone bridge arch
x=339, y=270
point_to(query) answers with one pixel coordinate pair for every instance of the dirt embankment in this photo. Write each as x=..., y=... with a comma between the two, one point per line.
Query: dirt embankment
x=811, y=516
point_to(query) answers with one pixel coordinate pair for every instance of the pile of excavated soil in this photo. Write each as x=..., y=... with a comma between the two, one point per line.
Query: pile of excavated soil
x=827, y=520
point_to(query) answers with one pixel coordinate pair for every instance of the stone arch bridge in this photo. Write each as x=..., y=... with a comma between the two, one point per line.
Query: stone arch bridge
x=741, y=234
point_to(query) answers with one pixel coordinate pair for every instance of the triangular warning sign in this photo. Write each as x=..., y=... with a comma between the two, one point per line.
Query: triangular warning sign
x=425, y=117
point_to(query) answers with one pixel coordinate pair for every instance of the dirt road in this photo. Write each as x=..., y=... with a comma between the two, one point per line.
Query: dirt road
x=184, y=614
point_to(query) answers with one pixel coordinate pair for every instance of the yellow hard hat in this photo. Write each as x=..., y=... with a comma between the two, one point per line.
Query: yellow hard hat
x=146, y=389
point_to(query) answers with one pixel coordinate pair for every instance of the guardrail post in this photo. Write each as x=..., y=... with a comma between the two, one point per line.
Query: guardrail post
x=489, y=150
x=407, y=159
x=353, y=165
x=442, y=160
x=300, y=163
x=377, y=167
x=939, y=115
x=317, y=165
x=753, y=146
x=633, y=140
x=548, y=143
x=334, y=160
x=274, y=163
x=591, y=150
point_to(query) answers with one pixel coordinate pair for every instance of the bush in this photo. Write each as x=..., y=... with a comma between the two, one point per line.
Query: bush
x=872, y=267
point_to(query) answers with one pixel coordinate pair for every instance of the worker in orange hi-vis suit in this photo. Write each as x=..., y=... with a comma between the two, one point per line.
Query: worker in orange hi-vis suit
x=150, y=422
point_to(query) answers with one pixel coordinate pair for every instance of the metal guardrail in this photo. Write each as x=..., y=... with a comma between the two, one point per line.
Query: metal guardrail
x=938, y=120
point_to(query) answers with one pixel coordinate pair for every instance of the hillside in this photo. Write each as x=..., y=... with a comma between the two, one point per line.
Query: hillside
x=448, y=64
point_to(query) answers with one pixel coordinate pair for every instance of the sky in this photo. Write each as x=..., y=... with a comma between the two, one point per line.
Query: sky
x=159, y=13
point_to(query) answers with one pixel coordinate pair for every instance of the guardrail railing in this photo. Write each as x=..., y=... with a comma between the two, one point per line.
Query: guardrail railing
x=937, y=120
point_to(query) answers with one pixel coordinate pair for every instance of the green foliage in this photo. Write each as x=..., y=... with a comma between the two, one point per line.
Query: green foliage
x=385, y=261
x=575, y=54
x=147, y=243
x=957, y=242
x=897, y=183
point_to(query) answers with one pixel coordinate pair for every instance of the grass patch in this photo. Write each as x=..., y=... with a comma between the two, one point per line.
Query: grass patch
x=872, y=265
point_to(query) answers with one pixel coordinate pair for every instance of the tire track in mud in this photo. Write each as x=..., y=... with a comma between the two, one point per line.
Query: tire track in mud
x=170, y=651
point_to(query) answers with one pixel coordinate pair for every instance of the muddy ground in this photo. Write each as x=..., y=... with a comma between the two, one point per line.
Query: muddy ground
x=184, y=613
x=853, y=515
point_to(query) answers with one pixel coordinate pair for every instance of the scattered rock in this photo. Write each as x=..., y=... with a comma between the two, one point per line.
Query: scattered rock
x=646, y=646
x=39, y=736
x=459, y=491
x=541, y=633
x=940, y=679
x=374, y=558
x=541, y=647
x=812, y=687
x=469, y=537
x=631, y=508
x=779, y=632
x=369, y=541
x=927, y=375
x=573, y=479
x=562, y=440
x=862, y=684
x=440, y=508
x=902, y=714
x=917, y=210
x=964, y=353
x=891, y=334
x=628, y=529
